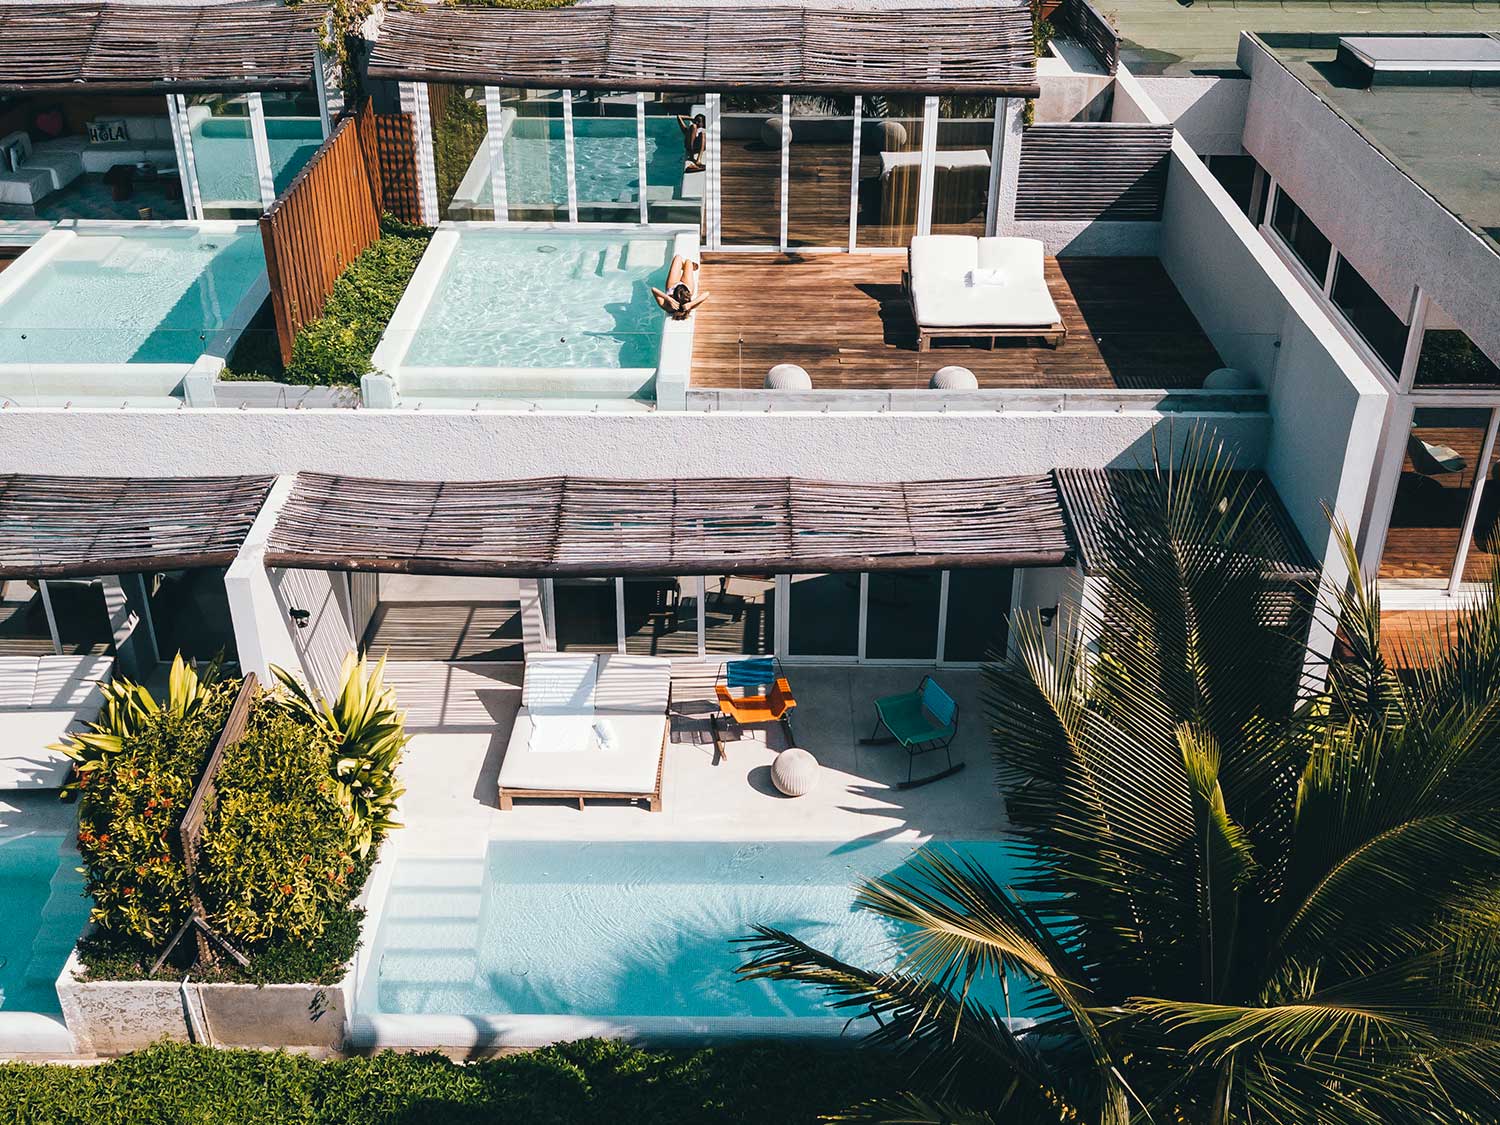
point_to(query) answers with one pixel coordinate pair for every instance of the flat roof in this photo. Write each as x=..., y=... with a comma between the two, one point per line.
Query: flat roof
x=1445, y=137
x=1164, y=37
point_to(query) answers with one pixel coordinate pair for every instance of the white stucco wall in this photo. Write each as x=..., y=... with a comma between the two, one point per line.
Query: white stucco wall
x=1395, y=233
x=462, y=445
x=1208, y=111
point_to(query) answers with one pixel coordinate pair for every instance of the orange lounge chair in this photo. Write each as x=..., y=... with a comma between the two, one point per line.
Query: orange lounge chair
x=773, y=704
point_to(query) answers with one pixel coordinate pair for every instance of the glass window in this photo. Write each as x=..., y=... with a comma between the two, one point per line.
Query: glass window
x=750, y=170
x=1449, y=358
x=460, y=151
x=902, y=622
x=1484, y=545
x=661, y=616
x=961, y=166
x=583, y=615
x=1306, y=240
x=77, y=606
x=294, y=131
x=224, y=155
x=1432, y=496
x=675, y=177
x=536, y=158
x=823, y=615
x=1371, y=317
x=606, y=157
x=978, y=614
x=190, y=612
x=1236, y=175
x=821, y=166
x=890, y=159
x=739, y=613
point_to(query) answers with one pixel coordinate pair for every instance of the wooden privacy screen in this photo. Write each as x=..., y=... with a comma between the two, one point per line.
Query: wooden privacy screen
x=1083, y=21
x=1081, y=171
x=329, y=214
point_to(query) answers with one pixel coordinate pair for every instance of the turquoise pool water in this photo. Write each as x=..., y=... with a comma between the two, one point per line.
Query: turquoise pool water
x=628, y=929
x=140, y=297
x=546, y=300
x=224, y=155
x=44, y=911
x=607, y=169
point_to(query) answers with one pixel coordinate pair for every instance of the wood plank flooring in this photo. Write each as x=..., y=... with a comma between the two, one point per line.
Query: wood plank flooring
x=843, y=318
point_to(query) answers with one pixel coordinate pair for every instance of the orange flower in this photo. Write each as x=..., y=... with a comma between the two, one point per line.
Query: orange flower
x=286, y=888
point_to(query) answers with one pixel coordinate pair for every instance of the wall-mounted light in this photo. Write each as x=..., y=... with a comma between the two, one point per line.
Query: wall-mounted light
x=1048, y=615
x=299, y=617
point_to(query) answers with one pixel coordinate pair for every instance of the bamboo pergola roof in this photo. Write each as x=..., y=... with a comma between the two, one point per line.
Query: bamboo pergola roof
x=1096, y=501
x=127, y=47
x=682, y=48
x=62, y=527
x=583, y=526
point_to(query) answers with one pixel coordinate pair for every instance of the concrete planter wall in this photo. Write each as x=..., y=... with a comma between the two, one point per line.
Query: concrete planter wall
x=113, y=1017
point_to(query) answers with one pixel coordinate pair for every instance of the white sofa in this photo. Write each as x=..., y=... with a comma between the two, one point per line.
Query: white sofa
x=40, y=174
x=52, y=165
x=961, y=286
x=589, y=726
x=41, y=699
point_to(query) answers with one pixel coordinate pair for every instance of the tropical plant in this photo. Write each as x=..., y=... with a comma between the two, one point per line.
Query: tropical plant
x=127, y=709
x=1254, y=899
x=367, y=734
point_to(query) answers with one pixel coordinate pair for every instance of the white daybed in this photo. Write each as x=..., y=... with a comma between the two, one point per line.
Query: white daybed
x=41, y=699
x=589, y=727
x=966, y=287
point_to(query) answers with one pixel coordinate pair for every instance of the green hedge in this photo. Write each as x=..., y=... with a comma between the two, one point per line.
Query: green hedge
x=336, y=348
x=574, y=1084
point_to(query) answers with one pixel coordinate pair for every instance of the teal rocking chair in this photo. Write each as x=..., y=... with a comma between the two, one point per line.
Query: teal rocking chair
x=921, y=721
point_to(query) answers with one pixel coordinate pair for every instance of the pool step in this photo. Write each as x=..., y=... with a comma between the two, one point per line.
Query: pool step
x=439, y=874
x=610, y=263
x=641, y=253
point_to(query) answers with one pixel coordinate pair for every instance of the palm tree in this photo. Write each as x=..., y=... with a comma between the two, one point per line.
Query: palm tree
x=1256, y=898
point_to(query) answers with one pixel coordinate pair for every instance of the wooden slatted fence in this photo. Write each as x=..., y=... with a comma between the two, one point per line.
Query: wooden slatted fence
x=1085, y=23
x=1083, y=171
x=324, y=219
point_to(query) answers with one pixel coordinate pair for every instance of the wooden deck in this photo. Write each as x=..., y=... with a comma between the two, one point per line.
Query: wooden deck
x=843, y=318
x=1428, y=514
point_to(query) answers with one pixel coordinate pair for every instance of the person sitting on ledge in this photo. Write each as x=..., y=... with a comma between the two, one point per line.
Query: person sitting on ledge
x=694, y=139
x=681, y=296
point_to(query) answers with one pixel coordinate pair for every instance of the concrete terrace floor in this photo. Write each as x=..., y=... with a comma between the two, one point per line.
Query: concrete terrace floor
x=461, y=717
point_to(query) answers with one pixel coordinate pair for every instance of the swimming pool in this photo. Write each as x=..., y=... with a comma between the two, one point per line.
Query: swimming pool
x=540, y=938
x=123, y=310
x=224, y=155
x=539, y=310
x=44, y=912
x=606, y=167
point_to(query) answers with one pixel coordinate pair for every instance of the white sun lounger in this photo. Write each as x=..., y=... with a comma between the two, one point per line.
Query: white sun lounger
x=963, y=287
x=41, y=699
x=589, y=727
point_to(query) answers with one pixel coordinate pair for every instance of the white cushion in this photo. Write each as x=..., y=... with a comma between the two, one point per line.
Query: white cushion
x=1023, y=257
x=640, y=684
x=17, y=684
x=955, y=159
x=560, y=682
x=72, y=681
x=29, y=185
x=943, y=257
x=561, y=732
x=1015, y=305
x=25, y=761
x=63, y=165
x=630, y=767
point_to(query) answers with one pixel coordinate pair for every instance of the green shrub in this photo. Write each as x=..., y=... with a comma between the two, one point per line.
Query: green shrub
x=277, y=850
x=586, y=1083
x=336, y=348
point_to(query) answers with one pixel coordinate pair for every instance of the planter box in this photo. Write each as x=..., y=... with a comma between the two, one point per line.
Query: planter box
x=113, y=1017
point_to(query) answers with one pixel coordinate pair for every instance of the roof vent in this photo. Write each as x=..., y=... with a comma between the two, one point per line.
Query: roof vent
x=1423, y=60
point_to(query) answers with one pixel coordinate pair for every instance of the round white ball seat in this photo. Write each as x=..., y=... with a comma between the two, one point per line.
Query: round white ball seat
x=771, y=131
x=892, y=136
x=788, y=377
x=1228, y=379
x=953, y=378
x=795, y=772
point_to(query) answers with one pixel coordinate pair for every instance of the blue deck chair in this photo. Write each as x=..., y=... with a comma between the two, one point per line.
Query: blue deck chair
x=921, y=721
x=766, y=698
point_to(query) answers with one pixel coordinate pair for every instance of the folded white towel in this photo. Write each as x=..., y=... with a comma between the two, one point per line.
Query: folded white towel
x=975, y=278
x=604, y=736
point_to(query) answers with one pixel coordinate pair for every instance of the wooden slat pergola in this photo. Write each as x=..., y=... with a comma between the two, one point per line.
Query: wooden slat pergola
x=680, y=48
x=1097, y=500
x=132, y=48
x=64, y=527
x=559, y=526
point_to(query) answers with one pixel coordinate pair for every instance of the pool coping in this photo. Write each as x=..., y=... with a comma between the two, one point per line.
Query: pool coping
x=69, y=382
x=674, y=363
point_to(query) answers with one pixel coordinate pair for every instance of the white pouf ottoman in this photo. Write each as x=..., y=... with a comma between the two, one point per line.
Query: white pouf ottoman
x=788, y=377
x=772, y=130
x=953, y=378
x=1228, y=379
x=795, y=772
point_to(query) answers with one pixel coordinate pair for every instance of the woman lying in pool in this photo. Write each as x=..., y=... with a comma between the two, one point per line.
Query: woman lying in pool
x=682, y=295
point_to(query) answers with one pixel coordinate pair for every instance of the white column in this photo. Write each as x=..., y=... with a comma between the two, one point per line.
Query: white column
x=1471, y=515
x=711, y=185
x=182, y=142
x=854, y=173
x=134, y=652
x=494, y=111
x=260, y=629
x=1006, y=164
x=929, y=154
x=535, y=634
x=786, y=164
x=330, y=93
x=570, y=153
x=41, y=588
x=414, y=102
x=261, y=145
x=640, y=151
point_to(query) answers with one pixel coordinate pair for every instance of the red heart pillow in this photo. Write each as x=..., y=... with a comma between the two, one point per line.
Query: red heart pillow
x=50, y=123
